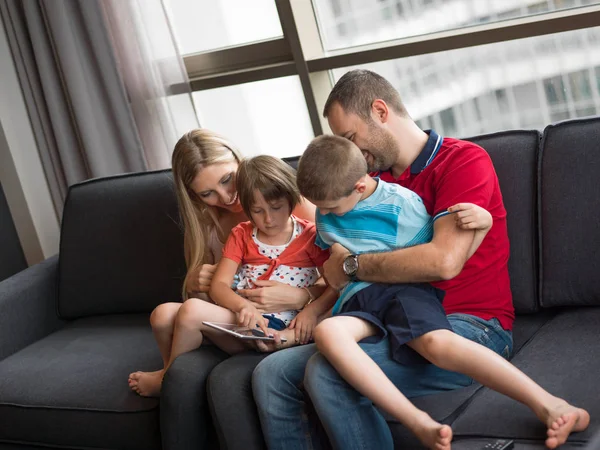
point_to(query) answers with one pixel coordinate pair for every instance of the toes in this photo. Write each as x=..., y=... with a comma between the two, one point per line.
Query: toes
x=552, y=443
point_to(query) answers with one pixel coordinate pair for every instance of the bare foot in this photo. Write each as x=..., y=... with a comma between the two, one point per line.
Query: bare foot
x=433, y=435
x=564, y=420
x=146, y=384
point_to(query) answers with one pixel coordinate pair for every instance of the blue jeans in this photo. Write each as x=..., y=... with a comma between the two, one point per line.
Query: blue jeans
x=282, y=380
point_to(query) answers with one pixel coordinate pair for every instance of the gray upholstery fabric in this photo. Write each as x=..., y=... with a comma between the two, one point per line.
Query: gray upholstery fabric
x=12, y=259
x=70, y=388
x=184, y=403
x=121, y=246
x=564, y=358
x=514, y=154
x=525, y=327
x=232, y=403
x=569, y=205
x=28, y=307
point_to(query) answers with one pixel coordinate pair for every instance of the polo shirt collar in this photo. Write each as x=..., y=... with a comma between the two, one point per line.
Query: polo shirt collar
x=434, y=142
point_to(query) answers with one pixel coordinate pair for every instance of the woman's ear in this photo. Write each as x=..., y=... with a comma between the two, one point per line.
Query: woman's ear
x=379, y=111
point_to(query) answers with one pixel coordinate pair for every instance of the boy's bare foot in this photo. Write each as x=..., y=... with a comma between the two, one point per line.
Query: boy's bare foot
x=146, y=384
x=433, y=435
x=563, y=420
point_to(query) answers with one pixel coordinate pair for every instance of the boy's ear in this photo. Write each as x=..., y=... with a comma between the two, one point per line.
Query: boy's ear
x=360, y=185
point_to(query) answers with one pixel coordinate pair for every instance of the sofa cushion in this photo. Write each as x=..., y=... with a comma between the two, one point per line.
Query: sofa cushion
x=564, y=358
x=70, y=388
x=121, y=247
x=569, y=213
x=514, y=154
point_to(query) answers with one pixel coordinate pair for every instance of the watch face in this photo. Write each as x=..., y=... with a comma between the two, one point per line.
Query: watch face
x=350, y=265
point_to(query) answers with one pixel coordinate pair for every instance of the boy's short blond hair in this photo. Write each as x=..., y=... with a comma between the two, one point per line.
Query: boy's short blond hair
x=272, y=177
x=330, y=168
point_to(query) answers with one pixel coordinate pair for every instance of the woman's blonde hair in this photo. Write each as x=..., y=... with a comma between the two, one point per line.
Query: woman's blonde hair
x=197, y=150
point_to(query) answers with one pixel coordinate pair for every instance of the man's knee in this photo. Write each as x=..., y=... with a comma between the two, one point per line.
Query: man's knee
x=319, y=374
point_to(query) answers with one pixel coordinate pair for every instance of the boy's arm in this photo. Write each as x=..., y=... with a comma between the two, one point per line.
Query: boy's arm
x=220, y=287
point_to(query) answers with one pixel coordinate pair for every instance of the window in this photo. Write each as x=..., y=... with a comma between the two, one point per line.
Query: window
x=370, y=21
x=499, y=86
x=201, y=25
x=264, y=117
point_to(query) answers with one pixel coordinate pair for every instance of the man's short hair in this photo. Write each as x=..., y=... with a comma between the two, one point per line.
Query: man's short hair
x=329, y=168
x=358, y=89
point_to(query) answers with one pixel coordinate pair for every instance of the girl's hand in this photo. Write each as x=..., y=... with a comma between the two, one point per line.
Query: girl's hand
x=249, y=317
x=272, y=296
x=199, y=280
x=304, y=324
x=469, y=216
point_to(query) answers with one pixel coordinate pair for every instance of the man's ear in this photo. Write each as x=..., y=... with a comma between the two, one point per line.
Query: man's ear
x=380, y=110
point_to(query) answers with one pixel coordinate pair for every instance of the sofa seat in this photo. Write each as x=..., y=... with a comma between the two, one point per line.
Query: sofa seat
x=564, y=358
x=70, y=388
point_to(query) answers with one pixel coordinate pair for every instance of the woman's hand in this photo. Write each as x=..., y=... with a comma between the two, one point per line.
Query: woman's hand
x=199, y=280
x=272, y=296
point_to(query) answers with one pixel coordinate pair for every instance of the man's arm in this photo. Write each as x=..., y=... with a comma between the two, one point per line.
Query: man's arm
x=441, y=259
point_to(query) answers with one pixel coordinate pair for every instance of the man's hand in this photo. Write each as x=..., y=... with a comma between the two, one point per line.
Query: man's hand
x=333, y=271
x=304, y=324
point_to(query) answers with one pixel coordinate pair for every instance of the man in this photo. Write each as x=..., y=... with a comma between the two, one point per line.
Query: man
x=364, y=108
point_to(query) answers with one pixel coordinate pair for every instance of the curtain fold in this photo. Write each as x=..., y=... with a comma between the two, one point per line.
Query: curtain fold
x=97, y=89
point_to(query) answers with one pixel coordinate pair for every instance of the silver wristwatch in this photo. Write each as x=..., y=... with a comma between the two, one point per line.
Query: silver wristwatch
x=350, y=266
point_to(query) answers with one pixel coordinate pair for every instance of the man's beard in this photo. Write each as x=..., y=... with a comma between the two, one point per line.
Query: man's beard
x=383, y=149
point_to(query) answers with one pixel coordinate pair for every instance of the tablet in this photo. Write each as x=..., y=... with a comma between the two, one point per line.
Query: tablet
x=241, y=332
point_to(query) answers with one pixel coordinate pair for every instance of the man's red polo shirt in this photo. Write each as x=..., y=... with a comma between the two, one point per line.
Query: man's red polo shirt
x=450, y=171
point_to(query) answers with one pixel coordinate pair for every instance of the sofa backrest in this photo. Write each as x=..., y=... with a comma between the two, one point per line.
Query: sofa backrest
x=515, y=154
x=569, y=210
x=121, y=248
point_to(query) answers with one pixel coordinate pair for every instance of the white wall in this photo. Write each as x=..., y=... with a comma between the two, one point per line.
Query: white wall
x=21, y=171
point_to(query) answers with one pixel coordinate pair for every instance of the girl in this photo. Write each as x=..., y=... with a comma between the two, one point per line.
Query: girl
x=204, y=169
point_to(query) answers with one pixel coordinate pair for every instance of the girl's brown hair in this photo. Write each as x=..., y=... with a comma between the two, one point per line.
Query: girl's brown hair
x=272, y=177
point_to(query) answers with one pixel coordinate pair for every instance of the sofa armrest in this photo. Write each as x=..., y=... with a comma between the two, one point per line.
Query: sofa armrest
x=28, y=306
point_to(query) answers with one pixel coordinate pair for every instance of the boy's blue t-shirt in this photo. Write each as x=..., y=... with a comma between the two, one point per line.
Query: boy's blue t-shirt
x=392, y=217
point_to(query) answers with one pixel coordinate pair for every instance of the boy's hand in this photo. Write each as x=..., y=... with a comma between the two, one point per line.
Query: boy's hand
x=304, y=324
x=471, y=217
x=249, y=317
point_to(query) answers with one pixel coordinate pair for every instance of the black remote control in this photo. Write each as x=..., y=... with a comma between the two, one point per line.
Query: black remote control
x=500, y=444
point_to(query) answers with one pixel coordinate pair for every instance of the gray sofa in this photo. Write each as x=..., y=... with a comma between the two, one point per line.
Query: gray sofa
x=74, y=326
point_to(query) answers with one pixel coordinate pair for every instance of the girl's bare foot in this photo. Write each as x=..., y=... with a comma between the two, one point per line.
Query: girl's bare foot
x=563, y=420
x=146, y=384
x=432, y=434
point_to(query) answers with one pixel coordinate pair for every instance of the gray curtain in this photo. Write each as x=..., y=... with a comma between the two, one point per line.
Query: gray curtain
x=87, y=112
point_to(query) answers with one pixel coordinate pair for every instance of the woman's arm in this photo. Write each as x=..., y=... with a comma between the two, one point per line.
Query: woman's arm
x=272, y=296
